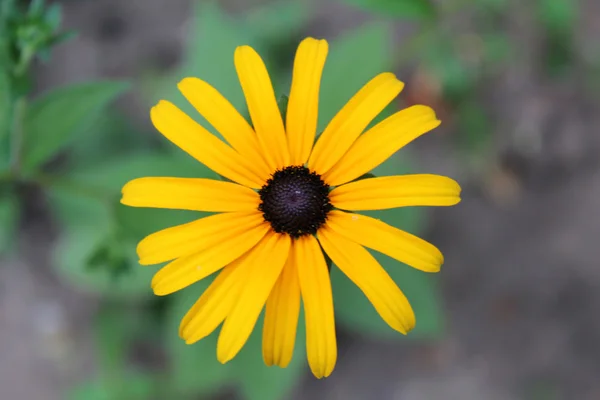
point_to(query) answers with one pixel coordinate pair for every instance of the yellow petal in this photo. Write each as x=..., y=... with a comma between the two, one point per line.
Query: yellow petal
x=216, y=302
x=366, y=273
x=189, y=194
x=396, y=191
x=195, y=236
x=386, y=239
x=303, y=105
x=226, y=120
x=380, y=142
x=262, y=105
x=315, y=285
x=352, y=119
x=281, y=318
x=264, y=272
x=187, y=270
x=192, y=138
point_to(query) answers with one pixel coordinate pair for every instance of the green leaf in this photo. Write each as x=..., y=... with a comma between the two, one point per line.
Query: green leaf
x=283, y=105
x=111, y=136
x=557, y=15
x=9, y=218
x=52, y=121
x=259, y=382
x=86, y=225
x=277, y=20
x=558, y=18
x=209, y=55
x=110, y=231
x=111, y=329
x=456, y=78
x=353, y=60
x=355, y=312
x=406, y=9
x=6, y=108
x=111, y=174
x=53, y=16
x=194, y=368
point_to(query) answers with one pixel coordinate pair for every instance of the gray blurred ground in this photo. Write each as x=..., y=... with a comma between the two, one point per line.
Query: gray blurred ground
x=521, y=278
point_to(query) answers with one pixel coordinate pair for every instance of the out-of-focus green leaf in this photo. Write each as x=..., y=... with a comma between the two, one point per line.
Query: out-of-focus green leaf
x=111, y=329
x=259, y=382
x=283, y=105
x=54, y=119
x=355, y=312
x=274, y=21
x=419, y=10
x=209, y=56
x=445, y=63
x=36, y=7
x=194, y=368
x=101, y=233
x=112, y=135
x=352, y=61
x=113, y=173
x=54, y=16
x=557, y=15
x=9, y=218
x=5, y=116
x=134, y=386
x=86, y=225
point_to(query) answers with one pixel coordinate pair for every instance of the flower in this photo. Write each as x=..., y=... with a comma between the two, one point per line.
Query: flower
x=285, y=204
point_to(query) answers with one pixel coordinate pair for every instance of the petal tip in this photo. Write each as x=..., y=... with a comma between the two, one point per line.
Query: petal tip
x=187, y=81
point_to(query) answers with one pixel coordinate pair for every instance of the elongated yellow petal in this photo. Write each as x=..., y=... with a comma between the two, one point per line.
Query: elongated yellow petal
x=351, y=121
x=262, y=105
x=377, y=235
x=196, y=236
x=189, y=194
x=281, y=317
x=366, y=273
x=192, y=138
x=315, y=285
x=380, y=142
x=226, y=120
x=187, y=270
x=216, y=302
x=264, y=273
x=396, y=191
x=303, y=105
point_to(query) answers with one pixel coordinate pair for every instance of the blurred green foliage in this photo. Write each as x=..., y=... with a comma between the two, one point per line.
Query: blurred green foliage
x=404, y=9
x=80, y=151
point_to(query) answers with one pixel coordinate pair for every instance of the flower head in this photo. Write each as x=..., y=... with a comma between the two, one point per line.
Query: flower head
x=288, y=201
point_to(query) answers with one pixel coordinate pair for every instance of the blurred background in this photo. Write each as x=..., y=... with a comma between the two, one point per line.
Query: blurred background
x=512, y=315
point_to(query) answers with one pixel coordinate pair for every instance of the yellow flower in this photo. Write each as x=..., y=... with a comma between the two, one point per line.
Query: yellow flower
x=288, y=202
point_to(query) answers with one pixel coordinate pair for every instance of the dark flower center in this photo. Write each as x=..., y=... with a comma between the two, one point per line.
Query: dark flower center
x=295, y=201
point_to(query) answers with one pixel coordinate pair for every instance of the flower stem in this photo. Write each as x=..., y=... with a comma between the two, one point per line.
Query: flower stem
x=53, y=181
x=16, y=142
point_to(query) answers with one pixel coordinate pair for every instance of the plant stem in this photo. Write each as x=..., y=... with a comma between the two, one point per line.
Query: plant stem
x=50, y=181
x=16, y=142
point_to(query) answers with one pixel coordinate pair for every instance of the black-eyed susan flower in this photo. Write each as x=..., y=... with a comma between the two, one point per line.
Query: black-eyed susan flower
x=288, y=200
